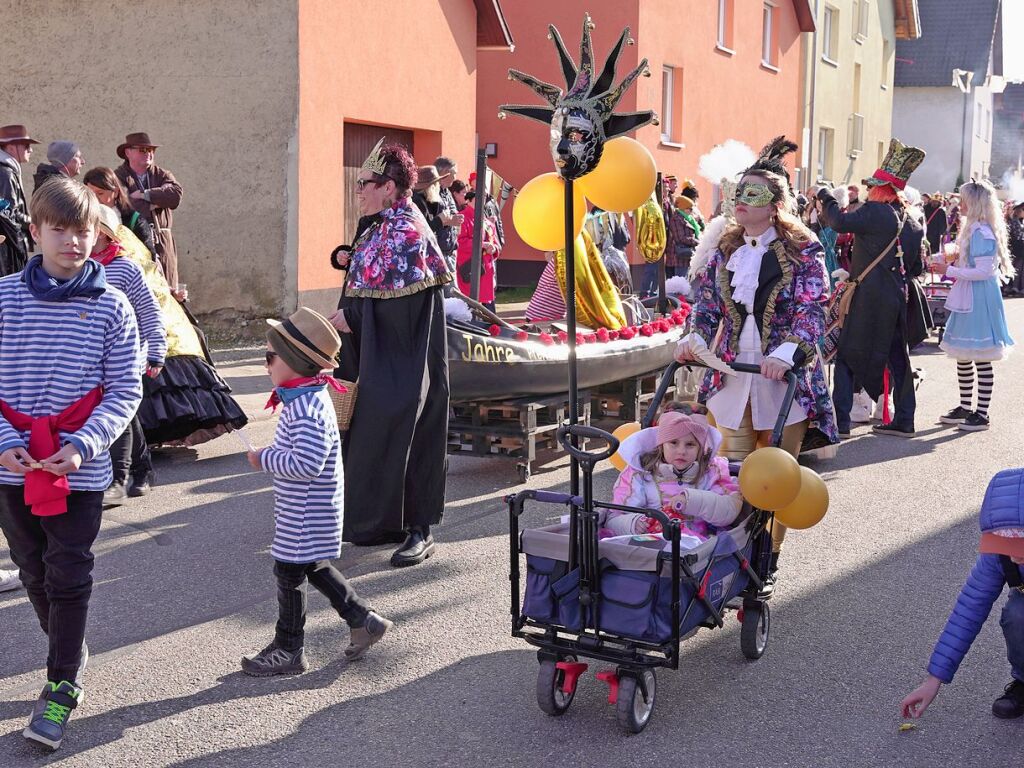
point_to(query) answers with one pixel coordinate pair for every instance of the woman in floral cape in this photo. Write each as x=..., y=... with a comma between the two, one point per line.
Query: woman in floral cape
x=394, y=344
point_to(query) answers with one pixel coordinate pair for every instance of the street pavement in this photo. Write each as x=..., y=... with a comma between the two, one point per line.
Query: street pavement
x=184, y=587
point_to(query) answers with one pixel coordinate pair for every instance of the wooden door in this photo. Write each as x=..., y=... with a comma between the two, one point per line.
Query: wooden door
x=359, y=142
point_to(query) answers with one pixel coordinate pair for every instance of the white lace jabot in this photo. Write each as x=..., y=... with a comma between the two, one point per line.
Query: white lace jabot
x=745, y=265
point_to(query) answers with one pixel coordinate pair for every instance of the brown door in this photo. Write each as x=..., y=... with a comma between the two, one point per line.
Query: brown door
x=359, y=142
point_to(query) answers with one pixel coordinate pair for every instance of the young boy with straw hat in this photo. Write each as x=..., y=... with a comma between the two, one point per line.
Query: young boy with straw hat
x=305, y=460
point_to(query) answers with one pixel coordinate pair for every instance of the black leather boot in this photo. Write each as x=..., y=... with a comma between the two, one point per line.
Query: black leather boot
x=418, y=546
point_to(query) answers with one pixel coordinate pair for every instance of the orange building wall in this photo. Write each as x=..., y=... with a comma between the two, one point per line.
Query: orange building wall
x=413, y=67
x=723, y=96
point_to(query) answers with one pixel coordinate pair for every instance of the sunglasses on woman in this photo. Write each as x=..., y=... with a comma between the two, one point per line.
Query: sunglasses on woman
x=360, y=183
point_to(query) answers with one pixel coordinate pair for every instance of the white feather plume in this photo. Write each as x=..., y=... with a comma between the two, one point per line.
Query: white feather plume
x=725, y=161
x=709, y=239
x=678, y=285
x=457, y=309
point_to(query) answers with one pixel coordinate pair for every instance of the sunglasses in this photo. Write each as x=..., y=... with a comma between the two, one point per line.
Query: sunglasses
x=360, y=183
x=271, y=356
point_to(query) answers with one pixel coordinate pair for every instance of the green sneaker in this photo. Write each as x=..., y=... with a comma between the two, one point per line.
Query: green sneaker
x=51, y=713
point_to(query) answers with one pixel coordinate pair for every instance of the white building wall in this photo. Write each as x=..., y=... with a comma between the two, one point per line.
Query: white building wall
x=933, y=119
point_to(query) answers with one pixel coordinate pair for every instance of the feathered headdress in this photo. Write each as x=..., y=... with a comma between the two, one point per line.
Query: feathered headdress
x=771, y=156
x=588, y=103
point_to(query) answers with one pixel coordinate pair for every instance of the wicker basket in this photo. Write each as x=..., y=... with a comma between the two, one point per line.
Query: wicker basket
x=344, y=402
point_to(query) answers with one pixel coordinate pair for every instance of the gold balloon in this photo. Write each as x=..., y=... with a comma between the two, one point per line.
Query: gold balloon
x=624, y=178
x=622, y=432
x=598, y=304
x=770, y=478
x=810, y=504
x=539, y=212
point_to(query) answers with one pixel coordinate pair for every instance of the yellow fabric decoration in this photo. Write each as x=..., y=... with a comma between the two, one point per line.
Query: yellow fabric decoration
x=650, y=231
x=181, y=336
x=598, y=304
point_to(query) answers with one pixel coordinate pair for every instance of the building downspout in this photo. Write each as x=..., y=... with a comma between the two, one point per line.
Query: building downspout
x=810, y=111
x=963, y=139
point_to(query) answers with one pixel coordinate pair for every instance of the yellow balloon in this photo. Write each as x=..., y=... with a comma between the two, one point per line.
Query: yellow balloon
x=809, y=506
x=770, y=478
x=623, y=179
x=539, y=212
x=622, y=432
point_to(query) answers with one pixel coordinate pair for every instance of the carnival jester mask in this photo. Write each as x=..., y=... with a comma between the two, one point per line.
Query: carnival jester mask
x=753, y=194
x=581, y=119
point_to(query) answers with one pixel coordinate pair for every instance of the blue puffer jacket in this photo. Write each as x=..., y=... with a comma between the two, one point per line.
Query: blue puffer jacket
x=1003, y=507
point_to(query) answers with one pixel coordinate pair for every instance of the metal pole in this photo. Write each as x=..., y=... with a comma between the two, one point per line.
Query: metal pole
x=479, y=203
x=570, y=317
x=662, y=305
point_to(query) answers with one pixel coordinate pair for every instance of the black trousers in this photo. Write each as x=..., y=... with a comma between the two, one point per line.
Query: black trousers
x=130, y=453
x=291, y=599
x=55, y=557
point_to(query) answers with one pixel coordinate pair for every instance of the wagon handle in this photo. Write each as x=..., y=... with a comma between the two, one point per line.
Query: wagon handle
x=566, y=433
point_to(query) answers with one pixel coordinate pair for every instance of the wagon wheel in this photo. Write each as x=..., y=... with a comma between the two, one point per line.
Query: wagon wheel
x=757, y=622
x=550, y=697
x=633, y=710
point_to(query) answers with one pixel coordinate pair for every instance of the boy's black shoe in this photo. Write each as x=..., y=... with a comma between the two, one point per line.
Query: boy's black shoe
x=768, y=586
x=115, y=495
x=1011, y=703
x=956, y=416
x=974, y=423
x=51, y=713
x=141, y=485
x=275, y=661
x=891, y=430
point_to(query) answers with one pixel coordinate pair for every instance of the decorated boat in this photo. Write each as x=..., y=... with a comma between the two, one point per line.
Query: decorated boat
x=499, y=361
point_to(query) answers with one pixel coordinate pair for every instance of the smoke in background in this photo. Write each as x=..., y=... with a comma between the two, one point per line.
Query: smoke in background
x=725, y=161
x=1014, y=186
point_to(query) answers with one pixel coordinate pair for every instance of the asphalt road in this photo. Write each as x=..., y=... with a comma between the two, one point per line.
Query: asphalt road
x=184, y=588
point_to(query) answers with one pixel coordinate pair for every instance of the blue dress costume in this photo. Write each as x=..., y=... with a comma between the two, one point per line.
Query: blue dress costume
x=979, y=334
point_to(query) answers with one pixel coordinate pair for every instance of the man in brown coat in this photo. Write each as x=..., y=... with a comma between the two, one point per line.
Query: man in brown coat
x=154, y=193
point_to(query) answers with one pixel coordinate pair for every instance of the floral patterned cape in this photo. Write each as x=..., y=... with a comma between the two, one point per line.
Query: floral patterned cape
x=795, y=312
x=397, y=256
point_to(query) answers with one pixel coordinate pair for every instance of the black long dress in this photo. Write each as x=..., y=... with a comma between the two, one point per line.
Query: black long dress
x=395, y=450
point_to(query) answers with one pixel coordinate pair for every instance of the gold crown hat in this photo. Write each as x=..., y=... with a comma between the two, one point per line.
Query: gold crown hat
x=588, y=105
x=375, y=162
x=899, y=163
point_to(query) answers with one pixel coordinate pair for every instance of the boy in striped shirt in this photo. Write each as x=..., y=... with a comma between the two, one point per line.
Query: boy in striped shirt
x=69, y=384
x=305, y=460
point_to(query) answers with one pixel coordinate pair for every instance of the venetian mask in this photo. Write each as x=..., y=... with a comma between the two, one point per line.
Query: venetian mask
x=575, y=145
x=753, y=194
x=581, y=118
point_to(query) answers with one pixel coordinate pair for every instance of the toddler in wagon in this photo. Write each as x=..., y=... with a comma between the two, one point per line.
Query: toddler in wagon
x=673, y=467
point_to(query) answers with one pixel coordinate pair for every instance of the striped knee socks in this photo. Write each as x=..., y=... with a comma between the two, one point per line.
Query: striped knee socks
x=986, y=379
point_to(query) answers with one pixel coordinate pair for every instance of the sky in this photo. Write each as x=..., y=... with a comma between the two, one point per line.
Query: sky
x=1013, y=51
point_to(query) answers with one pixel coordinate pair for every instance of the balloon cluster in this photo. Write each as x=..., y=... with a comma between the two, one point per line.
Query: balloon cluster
x=771, y=479
x=616, y=173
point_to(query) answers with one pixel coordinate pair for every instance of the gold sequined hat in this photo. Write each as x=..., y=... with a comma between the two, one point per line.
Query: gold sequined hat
x=899, y=163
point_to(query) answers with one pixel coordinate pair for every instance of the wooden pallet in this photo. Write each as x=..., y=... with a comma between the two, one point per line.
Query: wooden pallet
x=520, y=430
x=628, y=399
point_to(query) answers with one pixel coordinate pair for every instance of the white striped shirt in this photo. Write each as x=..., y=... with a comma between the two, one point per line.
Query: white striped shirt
x=305, y=459
x=52, y=354
x=126, y=276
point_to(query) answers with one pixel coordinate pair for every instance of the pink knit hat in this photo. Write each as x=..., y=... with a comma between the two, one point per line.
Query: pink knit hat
x=674, y=425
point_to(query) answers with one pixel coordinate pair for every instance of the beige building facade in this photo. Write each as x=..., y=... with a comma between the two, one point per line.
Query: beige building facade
x=263, y=111
x=848, y=83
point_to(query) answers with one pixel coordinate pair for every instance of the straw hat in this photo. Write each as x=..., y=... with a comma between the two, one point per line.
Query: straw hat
x=312, y=334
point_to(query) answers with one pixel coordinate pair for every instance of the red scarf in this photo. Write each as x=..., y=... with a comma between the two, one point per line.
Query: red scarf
x=303, y=381
x=109, y=253
x=45, y=492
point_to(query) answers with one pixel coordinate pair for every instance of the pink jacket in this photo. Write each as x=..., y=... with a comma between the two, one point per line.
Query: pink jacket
x=713, y=501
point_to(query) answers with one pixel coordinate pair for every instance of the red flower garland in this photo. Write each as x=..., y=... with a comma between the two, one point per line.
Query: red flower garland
x=522, y=336
x=562, y=337
x=646, y=329
x=613, y=335
x=546, y=340
x=603, y=335
x=494, y=330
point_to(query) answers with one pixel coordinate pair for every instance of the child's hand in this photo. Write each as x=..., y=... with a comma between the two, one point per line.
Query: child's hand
x=254, y=459
x=917, y=701
x=63, y=462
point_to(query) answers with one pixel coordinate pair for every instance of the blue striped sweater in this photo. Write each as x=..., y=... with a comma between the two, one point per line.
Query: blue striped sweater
x=127, y=277
x=305, y=459
x=52, y=354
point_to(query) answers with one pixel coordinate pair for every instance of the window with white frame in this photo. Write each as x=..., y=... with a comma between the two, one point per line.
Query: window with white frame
x=768, y=55
x=861, y=19
x=829, y=34
x=977, y=120
x=824, y=152
x=667, y=92
x=988, y=124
